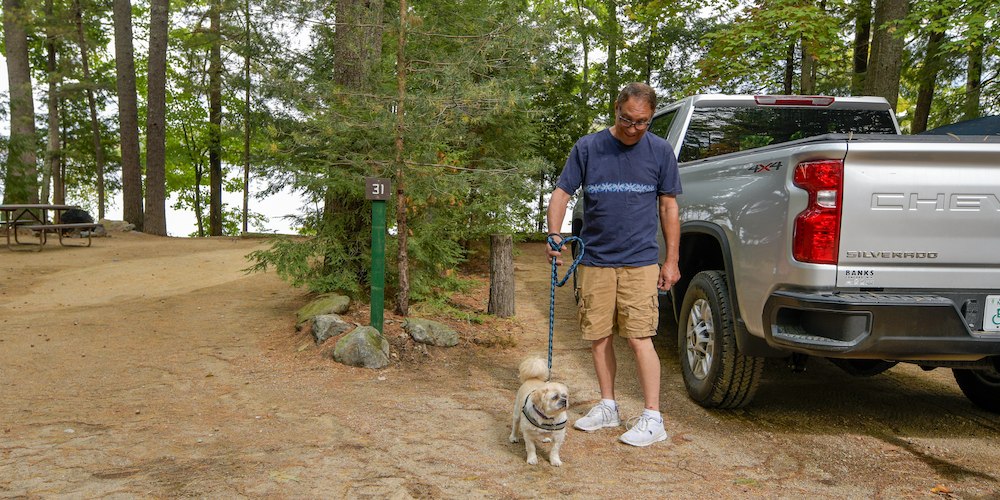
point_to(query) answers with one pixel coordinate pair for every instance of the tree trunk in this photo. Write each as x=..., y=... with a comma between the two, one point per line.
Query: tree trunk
x=155, y=217
x=199, y=171
x=156, y=94
x=199, y=214
x=357, y=50
x=52, y=149
x=501, y=275
x=648, y=72
x=359, y=42
x=215, y=119
x=585, y=42
x=611, y=30
x=807, y=78
x=95, y=126
x=402, y=259
x=886, y=59
x=128, y=114
x=60, y=190
x=974, y=79
x=22, y=172
x=542, y=185
x=246, y=121
x=789, y=69
x=862, y=38
x=926, y=76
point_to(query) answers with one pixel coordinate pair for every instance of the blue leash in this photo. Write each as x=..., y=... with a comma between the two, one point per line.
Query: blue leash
x=557, y=282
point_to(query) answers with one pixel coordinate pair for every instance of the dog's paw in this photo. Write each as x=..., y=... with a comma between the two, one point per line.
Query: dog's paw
x=533, y=459
x=547, y=440
x=513, y=438
x=555, y=461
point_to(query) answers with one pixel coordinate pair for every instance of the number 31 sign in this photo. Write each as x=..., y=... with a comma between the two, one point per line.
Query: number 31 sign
x=376, y=188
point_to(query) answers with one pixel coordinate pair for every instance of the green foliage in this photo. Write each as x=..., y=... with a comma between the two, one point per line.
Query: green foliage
x=748, y=54
x=437, y=302
x=466, y=171
x=497, y=91
x=313, y=263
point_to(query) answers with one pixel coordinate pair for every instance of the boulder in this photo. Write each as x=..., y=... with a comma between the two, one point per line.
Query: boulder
x=330, y=303
x=325, y=326
x=365, y=347
x=116, y=226
x=430, y=332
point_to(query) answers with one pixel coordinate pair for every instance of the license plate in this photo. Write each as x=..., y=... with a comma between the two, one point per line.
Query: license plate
x=991, y=316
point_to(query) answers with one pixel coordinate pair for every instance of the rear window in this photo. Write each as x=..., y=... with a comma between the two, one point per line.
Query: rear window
x=721, y=130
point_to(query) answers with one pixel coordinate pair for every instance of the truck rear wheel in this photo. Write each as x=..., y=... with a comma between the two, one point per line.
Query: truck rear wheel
x=715, y=373
x=982, y=387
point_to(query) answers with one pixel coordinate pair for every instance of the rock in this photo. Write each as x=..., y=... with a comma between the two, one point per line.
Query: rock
x=116, y=225
x=365, y=347
x=328, y=325
x=430, y=332
x=330, y=303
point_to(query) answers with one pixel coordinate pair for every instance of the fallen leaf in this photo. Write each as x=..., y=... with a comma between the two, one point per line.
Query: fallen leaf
x=940, y=490
x=283, y=477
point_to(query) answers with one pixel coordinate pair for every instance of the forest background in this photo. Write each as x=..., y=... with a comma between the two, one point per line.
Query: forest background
x=470, y=106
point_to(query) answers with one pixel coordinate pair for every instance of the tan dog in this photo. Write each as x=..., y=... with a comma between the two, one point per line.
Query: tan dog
x=539, y=410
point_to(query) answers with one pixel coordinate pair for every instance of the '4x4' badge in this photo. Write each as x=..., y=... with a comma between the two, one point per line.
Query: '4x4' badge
x=774, y=166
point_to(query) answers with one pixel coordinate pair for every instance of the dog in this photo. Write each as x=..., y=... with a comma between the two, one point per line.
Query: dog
x=539, y=411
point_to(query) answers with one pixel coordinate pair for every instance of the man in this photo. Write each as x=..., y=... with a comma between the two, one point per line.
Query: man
x=628, y=177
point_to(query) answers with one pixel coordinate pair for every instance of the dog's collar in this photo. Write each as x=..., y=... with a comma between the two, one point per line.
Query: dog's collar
x=558, y=426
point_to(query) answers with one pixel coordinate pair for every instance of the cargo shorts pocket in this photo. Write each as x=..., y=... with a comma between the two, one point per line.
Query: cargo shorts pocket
x=582, y=317
x=642, y=318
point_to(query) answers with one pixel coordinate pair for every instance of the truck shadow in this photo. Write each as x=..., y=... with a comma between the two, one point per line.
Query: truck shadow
x=904, y=401
x=905, y=409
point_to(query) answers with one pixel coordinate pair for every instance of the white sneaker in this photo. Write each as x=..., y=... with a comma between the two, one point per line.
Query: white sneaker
x=645, y=431
x=599, y=417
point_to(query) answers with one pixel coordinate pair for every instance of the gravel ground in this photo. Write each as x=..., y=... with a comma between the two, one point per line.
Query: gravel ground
x=155, y=367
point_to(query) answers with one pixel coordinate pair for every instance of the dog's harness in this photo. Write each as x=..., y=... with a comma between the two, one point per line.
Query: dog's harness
x=558, y=426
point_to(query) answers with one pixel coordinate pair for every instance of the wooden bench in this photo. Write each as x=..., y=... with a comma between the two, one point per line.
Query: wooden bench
x=59, y=229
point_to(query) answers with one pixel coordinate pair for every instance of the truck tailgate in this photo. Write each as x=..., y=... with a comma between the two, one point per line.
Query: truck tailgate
x=921, y=214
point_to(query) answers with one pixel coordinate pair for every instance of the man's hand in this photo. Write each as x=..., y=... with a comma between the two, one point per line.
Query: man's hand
x=669, y=274
x=557, y=239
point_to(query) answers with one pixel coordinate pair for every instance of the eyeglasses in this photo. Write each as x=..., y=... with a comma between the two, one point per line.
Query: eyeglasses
x=629, y=123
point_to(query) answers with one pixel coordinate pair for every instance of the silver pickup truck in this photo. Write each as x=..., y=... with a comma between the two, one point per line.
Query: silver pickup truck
x=811, y=228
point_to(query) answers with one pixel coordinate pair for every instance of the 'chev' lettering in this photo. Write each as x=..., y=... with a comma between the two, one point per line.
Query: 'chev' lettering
x=939, y=202
x=888, y=254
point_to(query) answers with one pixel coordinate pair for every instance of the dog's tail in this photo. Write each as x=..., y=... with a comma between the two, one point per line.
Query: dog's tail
x=533, y=368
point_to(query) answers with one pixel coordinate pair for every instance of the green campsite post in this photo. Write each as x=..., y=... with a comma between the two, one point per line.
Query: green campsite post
x=377, y=190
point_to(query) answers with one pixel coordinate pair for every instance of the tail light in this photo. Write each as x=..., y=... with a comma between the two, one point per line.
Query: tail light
x=817, y=228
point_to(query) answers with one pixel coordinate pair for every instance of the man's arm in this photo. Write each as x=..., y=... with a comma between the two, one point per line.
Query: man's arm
x=555, y=216
x=670, y=224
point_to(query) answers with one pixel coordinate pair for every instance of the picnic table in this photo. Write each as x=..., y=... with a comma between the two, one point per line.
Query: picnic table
x=36, y=217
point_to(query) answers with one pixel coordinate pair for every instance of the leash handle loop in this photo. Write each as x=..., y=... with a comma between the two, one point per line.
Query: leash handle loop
x=557, y=282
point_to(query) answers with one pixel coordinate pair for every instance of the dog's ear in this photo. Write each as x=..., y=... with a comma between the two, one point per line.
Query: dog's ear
x=537, y=397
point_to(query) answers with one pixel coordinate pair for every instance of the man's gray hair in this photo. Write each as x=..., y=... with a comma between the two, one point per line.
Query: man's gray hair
x=640, y=90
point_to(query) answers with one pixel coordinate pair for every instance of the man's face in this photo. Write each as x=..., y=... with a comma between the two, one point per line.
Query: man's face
x=632, y=120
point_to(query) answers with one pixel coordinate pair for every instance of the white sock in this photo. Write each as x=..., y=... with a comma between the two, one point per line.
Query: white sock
x=655, y=415
x=610, y=403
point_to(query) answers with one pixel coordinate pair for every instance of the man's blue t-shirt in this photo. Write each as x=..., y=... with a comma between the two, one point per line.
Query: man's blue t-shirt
x=621, y=185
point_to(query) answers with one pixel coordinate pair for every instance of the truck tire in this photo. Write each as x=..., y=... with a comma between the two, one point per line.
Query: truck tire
x=863, y=367
x=982, y=387
x=715, y=373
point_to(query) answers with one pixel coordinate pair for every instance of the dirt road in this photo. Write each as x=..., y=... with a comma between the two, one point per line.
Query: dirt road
x=154, y=367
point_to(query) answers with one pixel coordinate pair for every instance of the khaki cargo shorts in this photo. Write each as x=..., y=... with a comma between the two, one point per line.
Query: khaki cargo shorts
x=618, y=298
